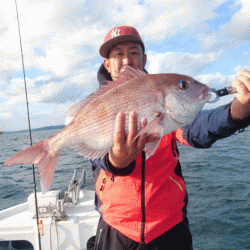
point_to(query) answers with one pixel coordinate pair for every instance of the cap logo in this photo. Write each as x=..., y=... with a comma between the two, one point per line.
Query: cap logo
x=115, y=33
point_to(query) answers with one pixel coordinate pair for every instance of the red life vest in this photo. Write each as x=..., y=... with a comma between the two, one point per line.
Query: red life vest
x=164, y=194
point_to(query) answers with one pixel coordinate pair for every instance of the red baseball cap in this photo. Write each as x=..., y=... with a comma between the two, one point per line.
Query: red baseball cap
x=118, y=35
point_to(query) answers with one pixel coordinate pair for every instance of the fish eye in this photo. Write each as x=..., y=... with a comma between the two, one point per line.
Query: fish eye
x=183, y=85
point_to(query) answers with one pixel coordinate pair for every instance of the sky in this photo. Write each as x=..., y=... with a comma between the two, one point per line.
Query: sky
x=207, y=40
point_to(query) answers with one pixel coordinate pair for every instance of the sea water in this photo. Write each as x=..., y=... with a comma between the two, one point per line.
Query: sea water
x=217, y=181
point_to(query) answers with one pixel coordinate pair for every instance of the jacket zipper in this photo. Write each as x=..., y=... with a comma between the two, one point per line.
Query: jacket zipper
x=174, y=150
x=143, y=201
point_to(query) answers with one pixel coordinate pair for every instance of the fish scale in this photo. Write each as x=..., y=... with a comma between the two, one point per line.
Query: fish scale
x=94, y=129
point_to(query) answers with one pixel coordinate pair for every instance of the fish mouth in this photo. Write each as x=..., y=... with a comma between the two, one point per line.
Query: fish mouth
x=205, y=95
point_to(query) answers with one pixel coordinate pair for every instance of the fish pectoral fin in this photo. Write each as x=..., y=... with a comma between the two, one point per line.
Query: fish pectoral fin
x=155, y=126
x=151, y=147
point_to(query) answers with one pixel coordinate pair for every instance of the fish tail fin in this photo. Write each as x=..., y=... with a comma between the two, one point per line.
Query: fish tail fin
x=46, y=169
x=38, y=154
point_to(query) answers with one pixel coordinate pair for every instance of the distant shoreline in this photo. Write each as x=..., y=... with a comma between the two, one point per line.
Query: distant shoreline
x=36, y=129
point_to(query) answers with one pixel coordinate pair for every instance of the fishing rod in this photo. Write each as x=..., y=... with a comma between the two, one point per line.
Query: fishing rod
x=28, y=114
x=216, y=94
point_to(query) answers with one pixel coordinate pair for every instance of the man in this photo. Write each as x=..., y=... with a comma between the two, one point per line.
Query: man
x=143, y=202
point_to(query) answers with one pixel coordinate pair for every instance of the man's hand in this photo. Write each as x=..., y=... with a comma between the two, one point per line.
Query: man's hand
x=240, y=107
x=126, y=149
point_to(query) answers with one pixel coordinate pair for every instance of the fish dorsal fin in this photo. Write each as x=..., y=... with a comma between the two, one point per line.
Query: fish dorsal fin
x=127, y=73
x=75, y=109
x=131, y=72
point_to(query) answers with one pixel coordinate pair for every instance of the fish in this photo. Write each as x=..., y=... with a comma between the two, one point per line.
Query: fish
x=167, y=101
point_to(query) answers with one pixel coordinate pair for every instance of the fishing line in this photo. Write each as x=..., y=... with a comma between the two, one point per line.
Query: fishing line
x=27, y=104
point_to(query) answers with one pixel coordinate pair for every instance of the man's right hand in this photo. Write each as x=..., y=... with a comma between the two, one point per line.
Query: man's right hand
x=126, y=149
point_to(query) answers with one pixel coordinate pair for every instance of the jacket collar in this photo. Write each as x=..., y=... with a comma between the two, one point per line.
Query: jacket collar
x=103, y=76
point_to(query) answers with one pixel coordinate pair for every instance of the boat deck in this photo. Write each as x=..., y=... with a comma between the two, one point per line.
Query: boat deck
x=72, y=234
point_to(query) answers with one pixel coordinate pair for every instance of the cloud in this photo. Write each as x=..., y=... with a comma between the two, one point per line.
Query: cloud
x=241, y=68
x=5, y=77
x=216, y=80
x=182, y=63
x=52, y=89
x=48, y=45
x=61, y=39
x=166, y=20
x=70, y=89
x=238, y=27
x=4, y=115
x=41, y=115
x=232, y=32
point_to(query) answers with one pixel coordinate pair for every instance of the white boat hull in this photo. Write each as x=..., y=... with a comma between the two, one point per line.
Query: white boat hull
x=72, y=234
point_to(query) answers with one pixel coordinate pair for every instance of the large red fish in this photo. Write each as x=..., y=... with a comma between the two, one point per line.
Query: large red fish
x=167, y=101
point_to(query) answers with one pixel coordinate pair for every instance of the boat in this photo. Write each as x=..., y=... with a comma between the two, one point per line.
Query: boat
x=67, y=219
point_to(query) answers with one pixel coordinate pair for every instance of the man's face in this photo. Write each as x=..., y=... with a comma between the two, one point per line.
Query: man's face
x=126, y=53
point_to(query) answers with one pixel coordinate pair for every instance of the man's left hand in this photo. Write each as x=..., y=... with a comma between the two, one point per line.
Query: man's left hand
x=240, y=107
